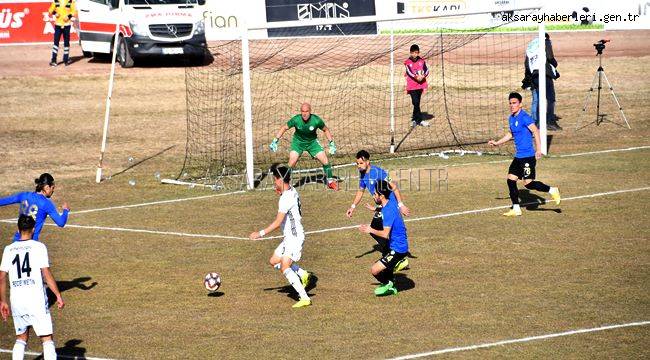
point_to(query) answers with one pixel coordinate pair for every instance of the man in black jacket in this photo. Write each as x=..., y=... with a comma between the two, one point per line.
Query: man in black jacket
x=531, y=80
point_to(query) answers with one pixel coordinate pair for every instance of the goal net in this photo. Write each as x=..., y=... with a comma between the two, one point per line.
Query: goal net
x=356, y=84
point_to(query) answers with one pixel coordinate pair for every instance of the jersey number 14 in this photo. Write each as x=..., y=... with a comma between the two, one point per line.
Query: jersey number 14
x=24, y=268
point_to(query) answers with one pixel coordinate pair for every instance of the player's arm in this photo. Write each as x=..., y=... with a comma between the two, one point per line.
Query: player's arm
x=402, y=208
x=51, y=283
x=381, y=233
x=355, y=202
x=330, y=139
x=281, y=132
x=11, y=199
x=59, y=219
x=425, y=69
x=4, y=307
x=538, y=142
x=274, y=225
x=507, y=137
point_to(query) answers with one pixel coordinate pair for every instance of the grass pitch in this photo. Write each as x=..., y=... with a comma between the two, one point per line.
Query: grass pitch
x=475, y=278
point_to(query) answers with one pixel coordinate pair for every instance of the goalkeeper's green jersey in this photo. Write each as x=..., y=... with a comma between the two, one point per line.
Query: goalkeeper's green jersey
x=305, y=130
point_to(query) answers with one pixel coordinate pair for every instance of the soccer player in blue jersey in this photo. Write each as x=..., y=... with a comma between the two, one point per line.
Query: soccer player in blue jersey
x=38, y=205
x=523, y=130
x=395, y=231
x=369, y=176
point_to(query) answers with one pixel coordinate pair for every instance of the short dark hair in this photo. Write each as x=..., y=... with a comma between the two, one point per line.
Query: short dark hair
x=514, y=95
x=281, y=172
x=383, y=188
x=25, y=223
x=44, y=179
x=414, y=47
x=363, y=154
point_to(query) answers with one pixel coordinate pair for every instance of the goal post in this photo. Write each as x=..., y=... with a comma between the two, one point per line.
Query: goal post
x=354, y=82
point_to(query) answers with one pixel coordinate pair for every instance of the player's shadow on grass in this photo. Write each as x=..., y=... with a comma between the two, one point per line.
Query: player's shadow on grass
x=426, y=116
x=289, y=290
x=532, y=201
x=78, y=283
x=71, y=350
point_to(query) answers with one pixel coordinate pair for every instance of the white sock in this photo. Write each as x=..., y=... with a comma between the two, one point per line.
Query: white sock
x=553, y=190
x=298, y=270
x=49, y=352
x=516, y=207
x=19, y=350
x=294, y=280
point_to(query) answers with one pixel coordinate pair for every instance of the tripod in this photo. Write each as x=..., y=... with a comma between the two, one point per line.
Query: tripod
x=598, y=79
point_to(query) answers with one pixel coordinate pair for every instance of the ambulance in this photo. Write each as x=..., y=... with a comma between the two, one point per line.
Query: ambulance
x=145, y=28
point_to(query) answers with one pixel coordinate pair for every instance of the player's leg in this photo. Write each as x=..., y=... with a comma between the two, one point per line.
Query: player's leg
x=18, y=352
x=514, y=173
x=66, y=45
x=43, y=328
x=383, y=271
x=416, y=96
x=304, y=275
x=55, y=47
x=532, y=184
x=319, y=154
x=49, y=351
x=294, y=280
x=534, y=106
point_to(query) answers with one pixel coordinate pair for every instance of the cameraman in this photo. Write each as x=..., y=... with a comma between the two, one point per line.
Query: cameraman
x=531, y=80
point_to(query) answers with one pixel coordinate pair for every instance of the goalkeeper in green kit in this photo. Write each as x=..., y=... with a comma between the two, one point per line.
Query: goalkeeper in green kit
x=305, y=138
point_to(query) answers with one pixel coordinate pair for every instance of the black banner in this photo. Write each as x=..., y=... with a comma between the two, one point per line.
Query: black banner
x=306, y=10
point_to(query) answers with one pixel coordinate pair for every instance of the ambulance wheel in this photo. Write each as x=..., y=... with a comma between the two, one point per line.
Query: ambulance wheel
x=123, y=54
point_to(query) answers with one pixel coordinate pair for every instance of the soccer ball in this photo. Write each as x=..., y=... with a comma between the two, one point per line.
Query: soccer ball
x=212, y=281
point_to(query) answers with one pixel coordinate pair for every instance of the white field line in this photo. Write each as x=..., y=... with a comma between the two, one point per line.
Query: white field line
x=60, y=356
x=148, y=203
x=406, y=157
x=521, y=340
x=438, y=216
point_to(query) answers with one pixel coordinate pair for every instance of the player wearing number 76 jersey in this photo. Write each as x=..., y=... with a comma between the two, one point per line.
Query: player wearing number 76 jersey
x=286, y=256
x=38, y=205
x=27, y=264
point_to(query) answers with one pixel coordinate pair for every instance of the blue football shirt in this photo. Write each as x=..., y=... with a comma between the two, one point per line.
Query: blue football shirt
x=392, y=218
x=370, y=179
x=521, y=134
x=38, y=206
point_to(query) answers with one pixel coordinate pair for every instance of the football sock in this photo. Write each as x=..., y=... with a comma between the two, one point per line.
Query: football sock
x=538, y=185
x=49, y=352
x=19, y=350
x=327, y=169
x=384, y=276
x=514, y=192
x=298, y=270
x=294, y=280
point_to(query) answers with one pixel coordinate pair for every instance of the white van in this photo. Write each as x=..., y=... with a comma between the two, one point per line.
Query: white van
x=146, y=28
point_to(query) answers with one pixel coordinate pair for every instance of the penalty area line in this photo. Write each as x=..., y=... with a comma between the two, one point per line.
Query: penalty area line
x=438, y=216
x=383, y=160
x=60, y=356
x=520, y=340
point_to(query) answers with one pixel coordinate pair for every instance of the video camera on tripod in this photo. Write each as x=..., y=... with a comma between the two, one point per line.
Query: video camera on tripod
x=600, y=46
x=597, y=83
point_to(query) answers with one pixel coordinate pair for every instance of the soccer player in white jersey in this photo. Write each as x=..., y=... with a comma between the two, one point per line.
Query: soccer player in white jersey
x=288, y=253
x=27, y=264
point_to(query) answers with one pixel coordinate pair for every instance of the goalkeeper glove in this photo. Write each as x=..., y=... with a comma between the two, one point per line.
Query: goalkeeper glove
x=274, y=145
x=332, y=147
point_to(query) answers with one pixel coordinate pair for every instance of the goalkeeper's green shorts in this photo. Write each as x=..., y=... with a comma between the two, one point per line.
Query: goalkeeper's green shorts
x=312, y=147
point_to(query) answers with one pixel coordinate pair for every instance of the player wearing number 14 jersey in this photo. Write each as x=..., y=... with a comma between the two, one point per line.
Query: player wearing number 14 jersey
x=289, y=218
x=26, y=263
x=38, y=205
